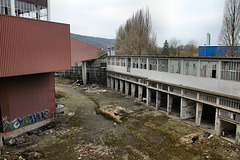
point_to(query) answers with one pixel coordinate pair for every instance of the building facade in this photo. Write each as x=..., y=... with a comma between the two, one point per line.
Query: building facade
x=31, y=50
x=200, y=90
x=211, y=50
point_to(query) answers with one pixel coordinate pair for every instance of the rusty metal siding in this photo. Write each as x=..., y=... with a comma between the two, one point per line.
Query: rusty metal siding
x=82, y=51
x=27, y=95
x=31, y=46
x=37, y=2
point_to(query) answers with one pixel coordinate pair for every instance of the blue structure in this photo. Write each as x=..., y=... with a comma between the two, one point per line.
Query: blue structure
x=207, y=51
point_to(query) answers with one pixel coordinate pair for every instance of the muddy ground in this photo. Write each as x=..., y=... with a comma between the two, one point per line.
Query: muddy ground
x=84, y=133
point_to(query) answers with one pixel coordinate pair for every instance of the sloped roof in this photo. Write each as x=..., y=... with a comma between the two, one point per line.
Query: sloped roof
x=82, y=51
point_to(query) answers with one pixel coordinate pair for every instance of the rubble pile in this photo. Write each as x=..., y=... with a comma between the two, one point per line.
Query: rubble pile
x=114, y=112
x=91, y=151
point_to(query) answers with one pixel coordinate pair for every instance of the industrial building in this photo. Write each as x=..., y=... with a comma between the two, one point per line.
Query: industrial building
x=214, y=50
x=31, y=49
x=203, y=91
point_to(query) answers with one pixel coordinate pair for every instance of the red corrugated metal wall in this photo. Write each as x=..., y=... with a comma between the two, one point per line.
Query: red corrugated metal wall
x=30, y=46
x=82, y=51
x=21, y=96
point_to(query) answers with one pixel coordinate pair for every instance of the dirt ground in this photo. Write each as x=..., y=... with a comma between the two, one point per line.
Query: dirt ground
x=84, y=133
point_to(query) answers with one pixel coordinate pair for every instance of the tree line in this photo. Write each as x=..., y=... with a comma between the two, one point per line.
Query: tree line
x=136, y=36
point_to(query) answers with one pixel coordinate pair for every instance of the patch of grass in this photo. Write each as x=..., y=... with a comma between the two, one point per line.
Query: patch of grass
x=60, y=94
x=63, y=81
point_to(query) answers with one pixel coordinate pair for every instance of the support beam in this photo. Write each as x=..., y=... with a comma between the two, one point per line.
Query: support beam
x=84, y=72
x=108, y=82
x=116, y=84
x=140, y=93
x=121, y=86
x=238, y=134
x=112, y=83
x=148, y=96
x=199, y=109
x=133, y=89
x=158, y=99
x=217, y=128
x=169, y=103
x=126, y=88
x=12, y=3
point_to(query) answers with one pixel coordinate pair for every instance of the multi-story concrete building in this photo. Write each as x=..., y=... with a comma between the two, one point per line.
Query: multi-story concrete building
x=31, y=49
x=203, y=91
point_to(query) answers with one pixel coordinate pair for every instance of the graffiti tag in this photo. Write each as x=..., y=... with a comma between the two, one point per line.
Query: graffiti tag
x=26, y=120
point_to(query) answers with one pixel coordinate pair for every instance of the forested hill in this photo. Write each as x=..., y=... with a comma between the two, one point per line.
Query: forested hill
x=95, y=41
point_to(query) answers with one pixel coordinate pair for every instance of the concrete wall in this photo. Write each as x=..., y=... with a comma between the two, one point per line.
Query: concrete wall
x=231, y=88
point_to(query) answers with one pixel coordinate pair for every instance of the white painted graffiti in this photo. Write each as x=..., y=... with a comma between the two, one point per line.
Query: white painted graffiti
x=26, y=120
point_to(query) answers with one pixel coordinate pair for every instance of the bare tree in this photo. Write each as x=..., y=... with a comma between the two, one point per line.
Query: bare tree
x=191, y=48
x=174, y=47
x=230, y=33
x=135, y=37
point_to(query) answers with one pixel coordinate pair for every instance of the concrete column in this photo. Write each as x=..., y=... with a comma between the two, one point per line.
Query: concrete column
x=148, y=96
x=48, y=11
x=121, y=86
x=84, y=72
x=116, y=84
x=199, y=109
x=169, y=103
x=112, y=83
x=183, y=104
x=133, y=89
x=140, y=92
x=238, y=134
x=158, y=99
x=108, y=82
x=217, y=128
x=12, y=3
x=126, y=88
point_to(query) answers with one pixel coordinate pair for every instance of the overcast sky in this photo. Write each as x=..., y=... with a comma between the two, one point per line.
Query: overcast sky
x=184, y=19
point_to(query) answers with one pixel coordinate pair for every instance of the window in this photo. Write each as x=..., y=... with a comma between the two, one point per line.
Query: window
x=28, y=10
x=135, y=62
x=113, y=61
x=176, y=66
x=209, y=69
x=5, y=7
x=122, y=62
x=108, y=61
x=190, y=67
x=143, y=63
x=152, y=64
x=163, y=65
x=230, y=71
x=117, y=62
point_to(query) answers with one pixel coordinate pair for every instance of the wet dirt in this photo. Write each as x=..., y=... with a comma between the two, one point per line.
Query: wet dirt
x=144, y=133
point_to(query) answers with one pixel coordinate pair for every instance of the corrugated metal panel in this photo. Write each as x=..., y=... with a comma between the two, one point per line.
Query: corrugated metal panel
x=31, y=46
x=25, y=95
x=82, y=51
x=37, y=2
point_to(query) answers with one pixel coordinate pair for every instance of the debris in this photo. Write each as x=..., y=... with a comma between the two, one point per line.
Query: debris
x=209, y=137
x=61, y=109
x=113, y=111
x=71, y=113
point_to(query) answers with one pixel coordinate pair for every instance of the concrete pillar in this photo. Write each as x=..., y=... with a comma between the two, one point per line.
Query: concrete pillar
x=126, y=88
x=217, y=128
x=108, y=82
x=12, y=3
x=121, y=86
x=238, y=134
x=148, y=96
x=116, y=84
x=133, y=89
x=112, y=83
x=84, y=72
x=199, y=109
x=140, y=93
x=169, y=103
x=48, y=11
x=183, y=104
x=158, y=99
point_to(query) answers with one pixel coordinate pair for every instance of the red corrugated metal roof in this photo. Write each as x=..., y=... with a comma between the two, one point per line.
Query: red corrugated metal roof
x=82, y=51
x=29, y=46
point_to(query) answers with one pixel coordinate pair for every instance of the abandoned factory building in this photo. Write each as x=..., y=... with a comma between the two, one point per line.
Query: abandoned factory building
x=203, y=91
x=31, y=50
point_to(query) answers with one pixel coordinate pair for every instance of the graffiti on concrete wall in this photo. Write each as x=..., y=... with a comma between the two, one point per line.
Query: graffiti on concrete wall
x=25, y=120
